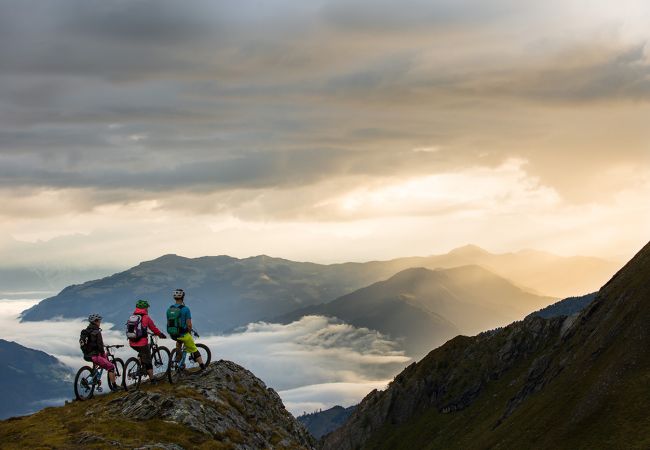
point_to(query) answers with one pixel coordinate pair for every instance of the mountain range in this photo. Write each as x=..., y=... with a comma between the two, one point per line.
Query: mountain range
x=24, y=282
x=229, y=292
x=321, y=423
x=425, y=308
x=30, y=380
x=561, y=383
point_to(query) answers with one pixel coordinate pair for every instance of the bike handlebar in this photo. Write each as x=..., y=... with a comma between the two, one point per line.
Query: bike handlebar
x=152, y=335
x=114, y=346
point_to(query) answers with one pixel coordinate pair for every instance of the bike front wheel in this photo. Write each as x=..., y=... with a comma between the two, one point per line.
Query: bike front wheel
x=119, y=373
x=132, y=374
x=84, y=383
x=160, y=361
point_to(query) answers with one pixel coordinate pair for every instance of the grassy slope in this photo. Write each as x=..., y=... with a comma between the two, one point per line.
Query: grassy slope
x=63, y=427
x=598, y=400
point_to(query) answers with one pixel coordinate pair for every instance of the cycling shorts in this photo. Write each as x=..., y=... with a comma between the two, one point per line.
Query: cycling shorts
x=103, y=362
x=190, y=346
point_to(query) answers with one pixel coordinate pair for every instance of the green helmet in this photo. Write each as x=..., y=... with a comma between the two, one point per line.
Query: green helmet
x=142, y=304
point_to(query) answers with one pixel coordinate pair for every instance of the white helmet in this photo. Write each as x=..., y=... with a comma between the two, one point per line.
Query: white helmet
x=179, y=294
x=93, y=317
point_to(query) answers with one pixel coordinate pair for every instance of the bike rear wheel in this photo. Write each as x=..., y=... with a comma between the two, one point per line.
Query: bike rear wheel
x=174, y=372
x=119, y=373
x=84, y=383
x=132, y=374
x=160, y=360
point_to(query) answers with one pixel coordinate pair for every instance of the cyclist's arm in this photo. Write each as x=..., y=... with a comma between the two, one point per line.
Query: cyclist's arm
x=100, y=343
x=188, y=324
x=152, y=326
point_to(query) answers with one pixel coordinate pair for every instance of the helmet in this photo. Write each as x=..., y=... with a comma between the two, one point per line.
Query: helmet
x=179, y=294
x=93, y=317
x=142, y=304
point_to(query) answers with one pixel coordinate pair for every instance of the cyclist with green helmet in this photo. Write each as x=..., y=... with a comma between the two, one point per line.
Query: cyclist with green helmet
x=136, y=332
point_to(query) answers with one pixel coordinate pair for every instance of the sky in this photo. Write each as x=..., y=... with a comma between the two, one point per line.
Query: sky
x=321, y=130
x=332, y=363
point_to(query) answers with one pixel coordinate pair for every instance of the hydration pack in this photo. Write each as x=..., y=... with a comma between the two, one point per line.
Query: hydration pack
x=84, y=341
x=134, y=328
x=174, y=326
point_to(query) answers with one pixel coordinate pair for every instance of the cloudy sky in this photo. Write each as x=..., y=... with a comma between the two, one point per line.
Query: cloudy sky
x=322, y=130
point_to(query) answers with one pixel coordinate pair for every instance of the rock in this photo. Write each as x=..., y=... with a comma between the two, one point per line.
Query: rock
x=160, y=446
x=87, y=438
x=227, y=403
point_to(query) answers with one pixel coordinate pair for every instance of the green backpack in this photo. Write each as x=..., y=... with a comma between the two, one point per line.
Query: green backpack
x=174, y=326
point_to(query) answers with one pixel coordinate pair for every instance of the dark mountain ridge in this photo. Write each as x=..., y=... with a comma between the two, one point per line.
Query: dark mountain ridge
x=30, y=379
x=425, y=308
x=565, y=382
x=322, y=422
x=567, y=307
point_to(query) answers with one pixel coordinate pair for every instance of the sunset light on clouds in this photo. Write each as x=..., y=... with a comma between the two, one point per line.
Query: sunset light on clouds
x=322, y=130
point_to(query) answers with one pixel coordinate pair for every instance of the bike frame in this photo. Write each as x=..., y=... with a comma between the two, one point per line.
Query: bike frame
x=97, y=371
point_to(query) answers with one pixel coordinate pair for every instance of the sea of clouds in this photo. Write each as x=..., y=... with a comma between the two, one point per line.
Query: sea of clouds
x=313, y=363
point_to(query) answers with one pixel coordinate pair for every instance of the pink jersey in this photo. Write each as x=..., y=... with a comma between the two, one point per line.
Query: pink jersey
x=146, y=322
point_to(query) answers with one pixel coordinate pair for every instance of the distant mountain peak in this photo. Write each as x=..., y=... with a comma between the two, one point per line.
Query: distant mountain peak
x=469, y=250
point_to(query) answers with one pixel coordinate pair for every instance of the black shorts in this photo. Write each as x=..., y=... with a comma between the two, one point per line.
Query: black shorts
x=144, y=352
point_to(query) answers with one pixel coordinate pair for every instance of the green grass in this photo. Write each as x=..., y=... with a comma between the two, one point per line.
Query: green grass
x=62, y=427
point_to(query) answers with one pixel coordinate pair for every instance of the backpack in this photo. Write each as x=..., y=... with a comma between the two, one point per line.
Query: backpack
x=134, y=328
x=85, y=343
x=174, y=326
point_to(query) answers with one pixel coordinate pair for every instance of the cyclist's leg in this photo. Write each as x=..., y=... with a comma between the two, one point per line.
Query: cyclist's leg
x=103, y=362
x=190, y=347
x=144, y=353
x=179, y=348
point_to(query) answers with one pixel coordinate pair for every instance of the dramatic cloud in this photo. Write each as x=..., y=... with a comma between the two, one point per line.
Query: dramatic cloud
x=246, y=117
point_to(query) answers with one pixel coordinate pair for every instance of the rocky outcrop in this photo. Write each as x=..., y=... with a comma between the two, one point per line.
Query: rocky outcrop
x=560, y=383
x=449, y=379
x=226, y=402
x=224, y=407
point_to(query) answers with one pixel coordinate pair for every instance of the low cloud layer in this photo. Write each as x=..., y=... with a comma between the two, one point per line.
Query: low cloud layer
x=313, y=363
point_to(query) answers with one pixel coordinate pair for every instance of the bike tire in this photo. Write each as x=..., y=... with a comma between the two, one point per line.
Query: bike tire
x=82, y=392
x=205, y=353
x=160, y=359
x=191, y=365
x=173, y=372
x=132, y=374
x=119, y=373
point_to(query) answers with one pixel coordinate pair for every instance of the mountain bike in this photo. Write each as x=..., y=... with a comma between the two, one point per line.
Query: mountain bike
x=180, y=367
x=134, y=370
x=89, y=379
